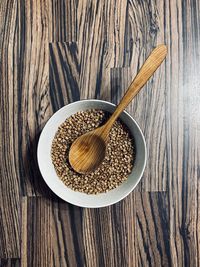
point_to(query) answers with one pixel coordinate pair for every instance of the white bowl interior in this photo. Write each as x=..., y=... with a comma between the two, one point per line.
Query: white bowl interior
x=82, y=199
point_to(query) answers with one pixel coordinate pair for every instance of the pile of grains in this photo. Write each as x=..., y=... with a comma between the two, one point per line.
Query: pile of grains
x=117, y=164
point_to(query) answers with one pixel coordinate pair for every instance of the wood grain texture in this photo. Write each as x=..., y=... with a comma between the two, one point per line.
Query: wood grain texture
x=110, y=240
x=9, y=174
x=33, y=107
x=153, y=235
x=36, y=241
x=10, y=262
x=68, y=20
x=67, y=229
x=57, y=234
x=56, y=52
x=182, y=124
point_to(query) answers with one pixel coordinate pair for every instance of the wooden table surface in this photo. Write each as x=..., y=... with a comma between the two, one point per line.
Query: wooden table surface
x=54, y=52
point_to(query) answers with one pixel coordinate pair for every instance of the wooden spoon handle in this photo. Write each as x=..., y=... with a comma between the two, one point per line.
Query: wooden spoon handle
x=149, y=67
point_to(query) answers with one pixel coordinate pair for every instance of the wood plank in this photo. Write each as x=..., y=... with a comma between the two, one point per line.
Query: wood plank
x=91, y=46
x=36, y=238
x=67, y=235
x=148, y=107
x=182, y=123
x=116, y=33
x=63, y=24
x=10, y=262
x=152, y=228
x=33, y=107
x=9, y=175
x=109, y=235
x=64, y=74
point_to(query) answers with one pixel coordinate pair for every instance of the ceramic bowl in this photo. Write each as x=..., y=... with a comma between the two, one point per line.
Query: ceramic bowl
x=81, y=199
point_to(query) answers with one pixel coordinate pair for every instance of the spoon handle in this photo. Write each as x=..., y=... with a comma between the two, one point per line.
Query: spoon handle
x=148, y=68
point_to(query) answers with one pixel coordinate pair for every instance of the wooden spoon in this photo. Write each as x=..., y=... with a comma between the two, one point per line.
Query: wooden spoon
x=88, y=151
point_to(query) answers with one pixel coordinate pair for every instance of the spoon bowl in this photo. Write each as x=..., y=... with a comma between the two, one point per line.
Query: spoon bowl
x=85, y=149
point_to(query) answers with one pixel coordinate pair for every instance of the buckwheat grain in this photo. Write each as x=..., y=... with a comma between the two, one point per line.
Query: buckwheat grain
x=117, y=164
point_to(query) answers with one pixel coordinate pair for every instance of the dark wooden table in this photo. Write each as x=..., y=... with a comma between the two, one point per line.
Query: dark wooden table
x=56, y=52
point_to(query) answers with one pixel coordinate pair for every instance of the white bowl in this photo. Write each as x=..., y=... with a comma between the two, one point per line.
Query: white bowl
x=81, y=199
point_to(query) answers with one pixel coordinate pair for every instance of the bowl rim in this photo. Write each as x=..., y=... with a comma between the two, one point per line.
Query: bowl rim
x=111, y=202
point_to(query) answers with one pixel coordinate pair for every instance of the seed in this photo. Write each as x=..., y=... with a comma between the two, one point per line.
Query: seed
x=117, y=164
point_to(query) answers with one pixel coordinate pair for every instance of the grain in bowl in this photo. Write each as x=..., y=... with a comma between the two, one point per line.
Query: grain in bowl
x=115, y=168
